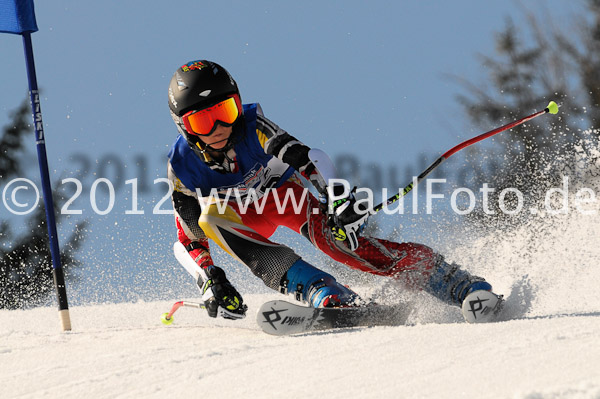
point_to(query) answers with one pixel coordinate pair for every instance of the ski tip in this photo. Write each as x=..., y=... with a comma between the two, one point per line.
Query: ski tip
x=284, y=318
x=552, y=108
x=482, y=306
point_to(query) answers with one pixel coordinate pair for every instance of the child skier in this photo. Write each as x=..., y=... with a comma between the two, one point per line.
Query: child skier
x=225, y=147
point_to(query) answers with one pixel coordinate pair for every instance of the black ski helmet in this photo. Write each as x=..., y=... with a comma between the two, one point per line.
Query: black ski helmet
x=197, y=85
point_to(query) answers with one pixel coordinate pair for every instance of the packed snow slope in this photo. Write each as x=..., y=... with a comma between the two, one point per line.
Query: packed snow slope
x=122, y=351
x=546, y=346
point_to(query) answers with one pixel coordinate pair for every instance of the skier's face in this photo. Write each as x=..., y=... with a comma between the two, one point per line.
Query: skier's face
x=219, y=138
x=202, y=122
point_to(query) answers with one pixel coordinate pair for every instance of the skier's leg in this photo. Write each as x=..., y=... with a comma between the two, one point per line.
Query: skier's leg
x=420, y=268
x=267, y=260
x=277, y=265
x=417, y=265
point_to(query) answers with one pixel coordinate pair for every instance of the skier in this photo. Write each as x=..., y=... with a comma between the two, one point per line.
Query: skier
x=223, y=145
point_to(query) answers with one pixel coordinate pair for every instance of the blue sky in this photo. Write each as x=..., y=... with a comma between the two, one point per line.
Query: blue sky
x=349, y=77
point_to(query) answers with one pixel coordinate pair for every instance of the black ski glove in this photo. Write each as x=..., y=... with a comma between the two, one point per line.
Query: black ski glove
x=220, y=297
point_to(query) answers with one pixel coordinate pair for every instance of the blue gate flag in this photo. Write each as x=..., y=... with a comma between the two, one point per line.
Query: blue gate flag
x=17, y=16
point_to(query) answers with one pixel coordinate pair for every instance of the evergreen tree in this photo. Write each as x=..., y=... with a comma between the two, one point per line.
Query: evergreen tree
x=551, y=66
x=25, y=262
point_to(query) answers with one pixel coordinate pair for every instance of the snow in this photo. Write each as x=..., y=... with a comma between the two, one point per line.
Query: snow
x=546, y=346
x=123, y=350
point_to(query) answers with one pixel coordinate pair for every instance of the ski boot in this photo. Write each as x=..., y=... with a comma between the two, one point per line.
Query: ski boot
x=317, y=288
x=472, y=294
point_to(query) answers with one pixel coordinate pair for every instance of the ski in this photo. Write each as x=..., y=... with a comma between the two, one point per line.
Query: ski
x=482, y=307
x=285, y=318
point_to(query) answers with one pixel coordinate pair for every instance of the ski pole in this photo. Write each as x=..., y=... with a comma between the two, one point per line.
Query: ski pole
x=167, y=318
x=552, y=108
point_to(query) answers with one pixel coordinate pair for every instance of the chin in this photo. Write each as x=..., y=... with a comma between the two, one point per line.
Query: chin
x=218, y=146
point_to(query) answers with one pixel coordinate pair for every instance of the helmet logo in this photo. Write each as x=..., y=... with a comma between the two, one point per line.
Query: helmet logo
x=172, y=97
x=205, y=93
x=193, y=65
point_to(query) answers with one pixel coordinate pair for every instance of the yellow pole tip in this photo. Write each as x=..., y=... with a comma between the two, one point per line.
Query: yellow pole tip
x=552, y=107
x=164, y=320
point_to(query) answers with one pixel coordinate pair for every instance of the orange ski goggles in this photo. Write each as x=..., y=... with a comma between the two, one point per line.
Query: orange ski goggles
x=203, y=122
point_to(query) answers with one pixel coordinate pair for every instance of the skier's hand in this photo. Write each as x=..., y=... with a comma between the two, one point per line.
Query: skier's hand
x=220, y=297
x=347, y=219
